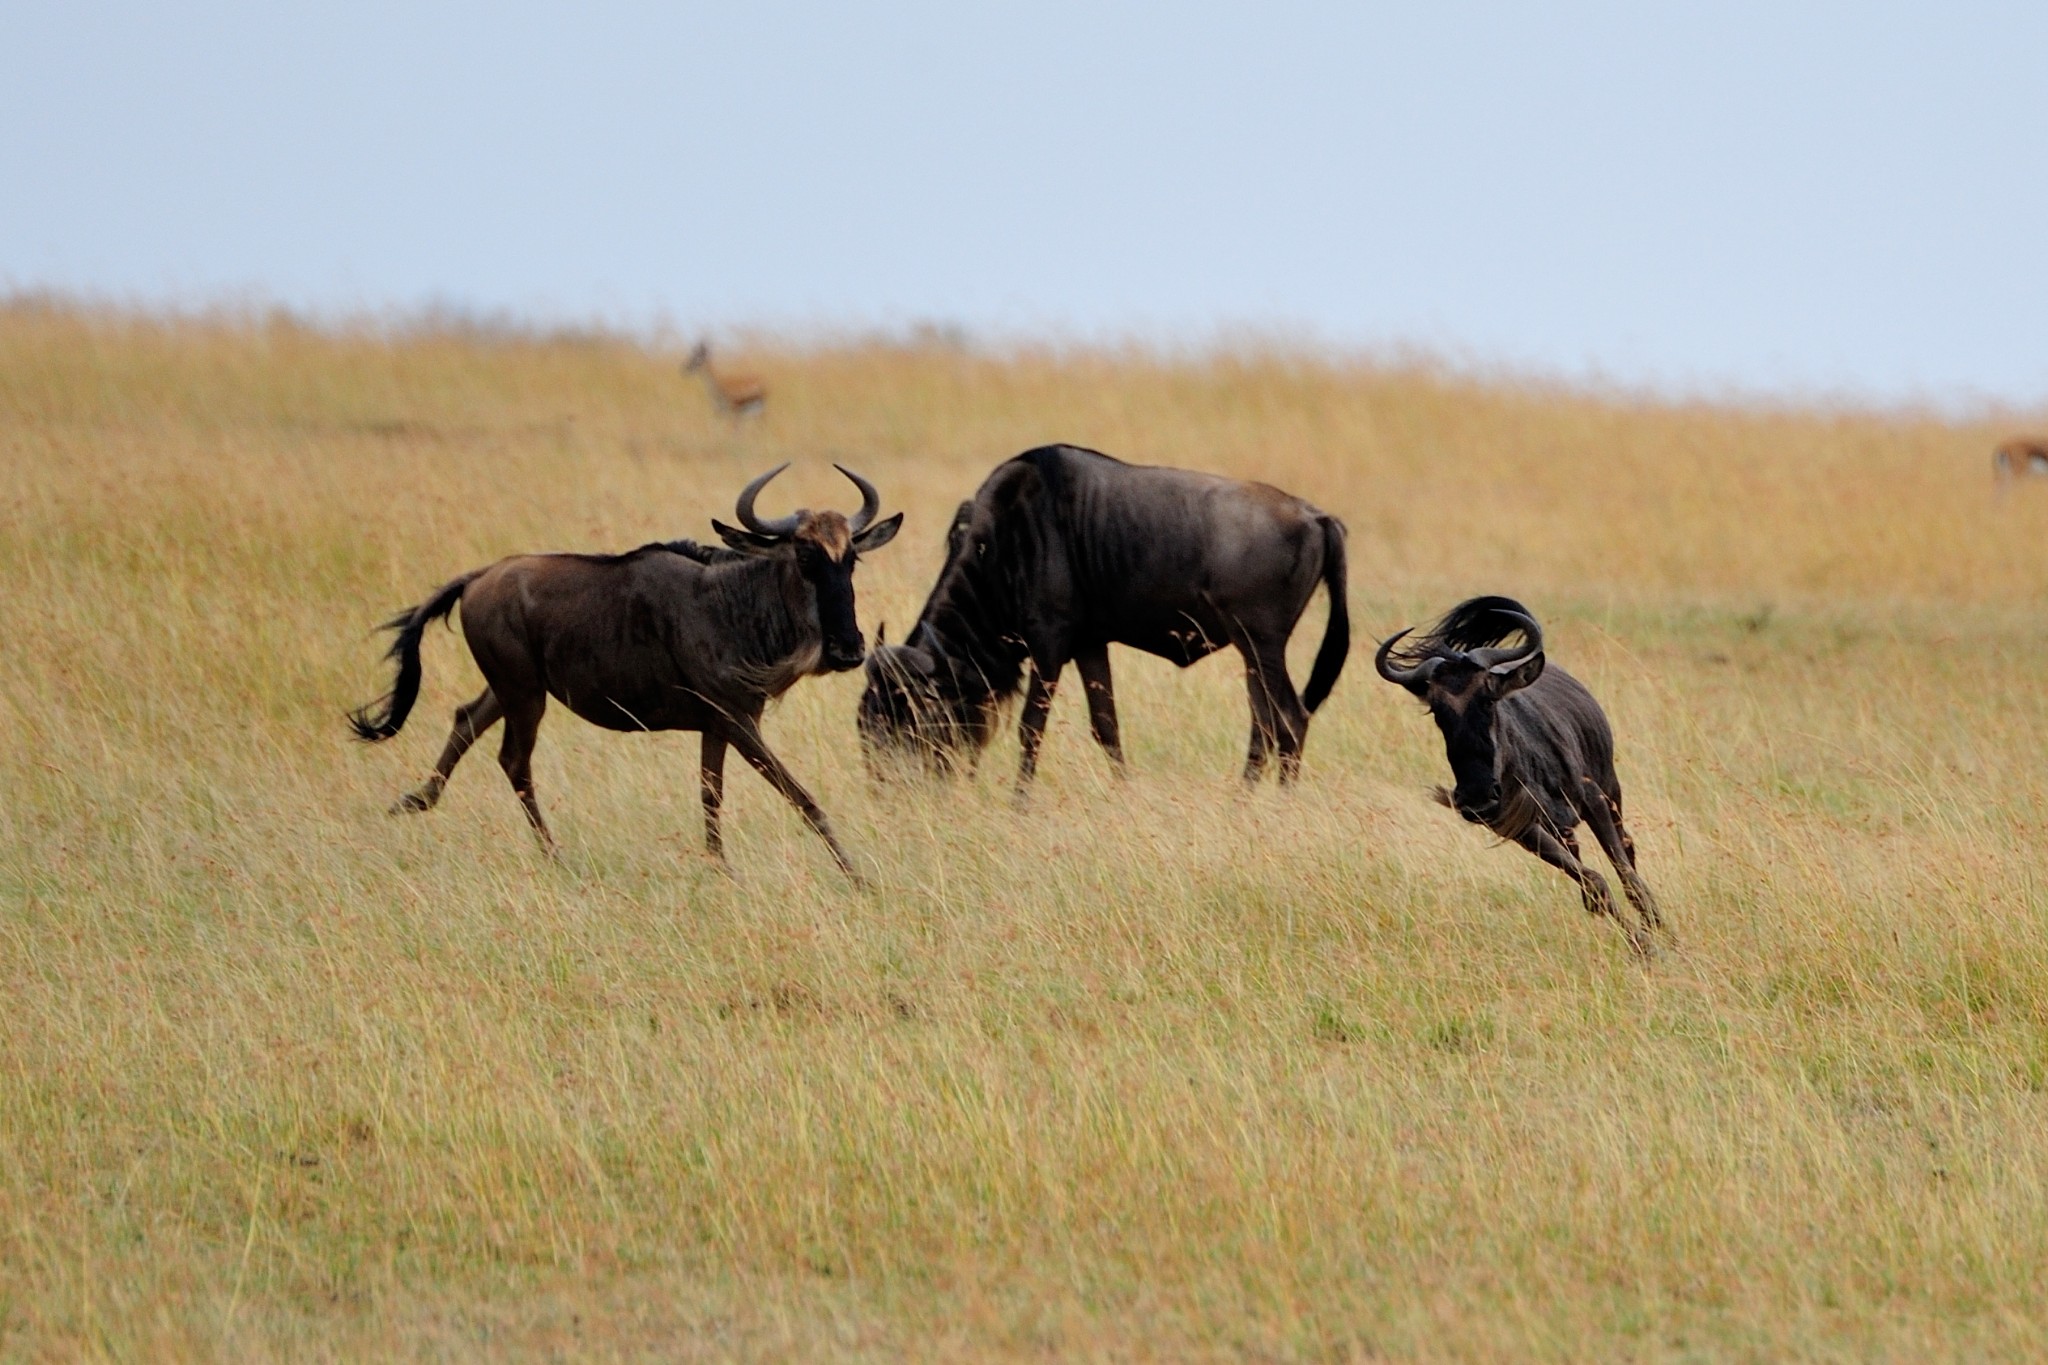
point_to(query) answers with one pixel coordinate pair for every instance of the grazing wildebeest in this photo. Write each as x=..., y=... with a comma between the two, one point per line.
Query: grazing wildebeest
x=1528, y=745
x=2019, y=458
x=671, y=636
x=1064, y=552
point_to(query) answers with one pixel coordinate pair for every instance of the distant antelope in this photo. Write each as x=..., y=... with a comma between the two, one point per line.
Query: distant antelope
x=735, y=395
x=2018, y=458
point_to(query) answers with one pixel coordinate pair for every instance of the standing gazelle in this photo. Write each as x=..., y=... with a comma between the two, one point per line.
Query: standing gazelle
x=735, y=395
x=2019, y=458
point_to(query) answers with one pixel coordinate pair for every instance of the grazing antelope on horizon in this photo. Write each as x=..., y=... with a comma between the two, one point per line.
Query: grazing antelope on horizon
x=2017, y=458
x=735, y=395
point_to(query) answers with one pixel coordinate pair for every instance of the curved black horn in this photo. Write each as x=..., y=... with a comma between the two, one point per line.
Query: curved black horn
x=744, y=508
x=1507, y=660
x=1405, y=677
x=870, y=500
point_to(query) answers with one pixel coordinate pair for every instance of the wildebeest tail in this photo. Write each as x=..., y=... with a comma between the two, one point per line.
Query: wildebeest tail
x=410, y=624
x=1479, y=622
x=1336, y=645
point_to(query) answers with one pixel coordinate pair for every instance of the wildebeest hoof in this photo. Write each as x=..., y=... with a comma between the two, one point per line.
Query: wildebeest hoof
x=412, y=803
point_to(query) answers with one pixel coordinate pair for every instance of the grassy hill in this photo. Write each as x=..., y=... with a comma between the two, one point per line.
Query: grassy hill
x=1152, y=1070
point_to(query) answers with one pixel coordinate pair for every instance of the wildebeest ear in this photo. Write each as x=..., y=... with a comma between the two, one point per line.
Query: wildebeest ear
x=746, y=542
x=1518, y=677
x=878, y=535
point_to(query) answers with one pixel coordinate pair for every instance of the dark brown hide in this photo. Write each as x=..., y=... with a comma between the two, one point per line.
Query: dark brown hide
x=674, y=636
x=1529, y=748
x=1064, y=552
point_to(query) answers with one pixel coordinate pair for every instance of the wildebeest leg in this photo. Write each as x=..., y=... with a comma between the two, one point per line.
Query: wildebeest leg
x=515, y=756
x=1562, y=853
x=470, y=723
x=1596, y=903
x=1262, y=721
x=1290, y=717
x=1094, y=665
x=1603, y=812
x=747, y=739
x=1031, y=728
x=1279, y=720
x=711, y=777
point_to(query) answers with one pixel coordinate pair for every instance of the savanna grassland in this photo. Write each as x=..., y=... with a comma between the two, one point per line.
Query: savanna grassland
x=1154, y=1070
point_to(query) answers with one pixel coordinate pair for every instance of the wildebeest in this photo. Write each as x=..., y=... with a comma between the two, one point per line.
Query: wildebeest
x=1530, y=749
x=671, y=636
x=1064, y=552
x=2018, y=458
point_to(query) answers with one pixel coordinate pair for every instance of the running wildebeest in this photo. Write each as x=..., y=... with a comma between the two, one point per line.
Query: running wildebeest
x=1064, y=552
x=671, y=636
x=1530, y=749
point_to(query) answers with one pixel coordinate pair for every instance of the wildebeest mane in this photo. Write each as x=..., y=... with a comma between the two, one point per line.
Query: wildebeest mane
x=691, y=549
x=688, y=549
x=972, y=617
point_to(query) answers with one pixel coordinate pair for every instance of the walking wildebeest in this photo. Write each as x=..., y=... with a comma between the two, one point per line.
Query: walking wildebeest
x=1528, y=745
x=2019, y=458
x=671, y=636
x=1064, y=552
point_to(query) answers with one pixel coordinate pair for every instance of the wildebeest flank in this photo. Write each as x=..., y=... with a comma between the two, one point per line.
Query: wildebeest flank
x=1530, y=749
x=1064, y=552
x=672, y=636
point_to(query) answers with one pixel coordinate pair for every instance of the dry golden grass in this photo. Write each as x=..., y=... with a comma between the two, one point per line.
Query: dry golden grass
x=1149, y=1071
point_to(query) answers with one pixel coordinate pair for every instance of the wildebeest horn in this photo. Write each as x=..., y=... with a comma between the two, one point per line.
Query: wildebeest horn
x=744, y=508
x=870, y=500
x=1507, y=660
x=1405, y=677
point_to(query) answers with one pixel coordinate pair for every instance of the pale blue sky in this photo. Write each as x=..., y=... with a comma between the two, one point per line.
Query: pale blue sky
x=1783, y=197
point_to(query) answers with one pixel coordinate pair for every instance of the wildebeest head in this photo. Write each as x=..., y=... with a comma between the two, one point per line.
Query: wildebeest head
x=824, y=546
x=1462, y=682
x=914, y=706
x=918, y=701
